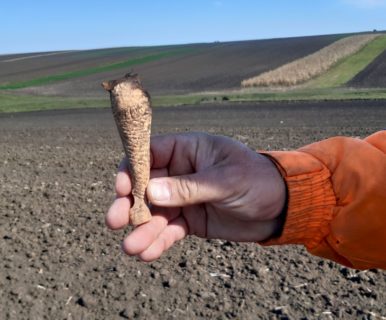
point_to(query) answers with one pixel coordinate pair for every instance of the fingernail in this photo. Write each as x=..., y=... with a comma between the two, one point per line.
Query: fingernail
x=159, y=191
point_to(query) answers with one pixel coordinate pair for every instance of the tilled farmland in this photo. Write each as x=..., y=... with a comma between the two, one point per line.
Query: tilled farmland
x=373, y=76
x=60, y=262
x=30, y=66
x=203, y=67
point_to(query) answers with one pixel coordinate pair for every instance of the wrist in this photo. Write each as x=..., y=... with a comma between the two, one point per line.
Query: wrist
x=280, y=220
x=280, y=199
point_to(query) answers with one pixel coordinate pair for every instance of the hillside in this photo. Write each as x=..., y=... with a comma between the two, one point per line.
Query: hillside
x=164, y=70
x=373, y=76
x=309, y=67
x=188, y=74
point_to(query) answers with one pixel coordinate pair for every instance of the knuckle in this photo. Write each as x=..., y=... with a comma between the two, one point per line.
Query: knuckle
x=164, y=242
x=187, y=190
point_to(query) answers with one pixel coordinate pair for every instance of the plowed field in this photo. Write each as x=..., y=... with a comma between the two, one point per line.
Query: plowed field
x=201, y=67
x=373, y=76
x=58, y=260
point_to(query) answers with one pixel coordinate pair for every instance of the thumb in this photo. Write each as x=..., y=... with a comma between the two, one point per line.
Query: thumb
x=184, y=190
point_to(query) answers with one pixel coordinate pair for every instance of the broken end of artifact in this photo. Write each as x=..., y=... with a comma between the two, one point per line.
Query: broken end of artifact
x=133, y=77
x=108, y=85
x=139, y=213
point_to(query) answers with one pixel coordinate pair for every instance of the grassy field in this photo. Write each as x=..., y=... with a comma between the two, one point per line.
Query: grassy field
x=348, y=68
x=290, y=95
x=126, y=64
x=23, y=103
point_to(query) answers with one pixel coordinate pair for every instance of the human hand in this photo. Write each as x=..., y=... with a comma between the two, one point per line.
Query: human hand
x=203, y=185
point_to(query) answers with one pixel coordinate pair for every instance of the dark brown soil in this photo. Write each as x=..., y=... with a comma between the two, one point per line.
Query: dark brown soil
x=226, y=64
x=16, y=68
x=211, y=66
x=58, y=260
x=373, y=76
x=5, y=57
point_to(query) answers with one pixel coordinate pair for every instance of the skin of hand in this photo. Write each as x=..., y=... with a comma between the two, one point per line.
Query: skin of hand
x=204, y=185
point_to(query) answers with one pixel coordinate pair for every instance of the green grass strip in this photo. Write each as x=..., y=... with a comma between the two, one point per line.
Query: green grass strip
x=324, y=94
x=20, y=103
x=89, y=71
x=348, y=68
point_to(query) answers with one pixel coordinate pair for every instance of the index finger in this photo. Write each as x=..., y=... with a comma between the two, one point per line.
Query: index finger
x=122, y=180
x=161, y=150
x=169, y=149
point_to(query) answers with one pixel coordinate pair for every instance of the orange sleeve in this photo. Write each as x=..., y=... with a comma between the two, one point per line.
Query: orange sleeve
x=337, y=199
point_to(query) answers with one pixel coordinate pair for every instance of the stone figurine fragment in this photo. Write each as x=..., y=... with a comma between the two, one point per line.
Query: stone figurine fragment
x=131, y=108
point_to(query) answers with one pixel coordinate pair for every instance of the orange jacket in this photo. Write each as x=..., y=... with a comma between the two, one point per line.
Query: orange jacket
x=337, y=199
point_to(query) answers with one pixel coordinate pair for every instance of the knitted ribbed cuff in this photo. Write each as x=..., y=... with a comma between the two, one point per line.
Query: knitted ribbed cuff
x=311, y=199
